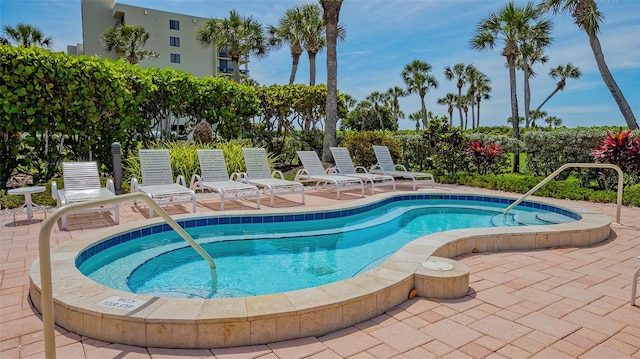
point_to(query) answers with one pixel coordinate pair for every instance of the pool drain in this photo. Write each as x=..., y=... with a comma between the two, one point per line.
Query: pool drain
x=437, y=265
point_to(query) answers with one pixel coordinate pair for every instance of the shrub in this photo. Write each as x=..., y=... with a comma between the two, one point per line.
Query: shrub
x=621, y=149
x=485, y=157
x=361, y=150
x=443, y=147
x=203, y=133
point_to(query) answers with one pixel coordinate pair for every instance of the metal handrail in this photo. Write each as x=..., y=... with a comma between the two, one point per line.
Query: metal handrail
x=582, y=165
x=44, y=250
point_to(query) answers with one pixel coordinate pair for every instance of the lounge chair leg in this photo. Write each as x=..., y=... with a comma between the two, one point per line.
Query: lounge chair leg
x=634, y=285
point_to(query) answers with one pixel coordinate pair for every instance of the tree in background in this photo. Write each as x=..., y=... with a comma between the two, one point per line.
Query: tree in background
x=417, y=118
x=331, y=15
x=241, y=36
x=127, y=41
x=459, y=72
x=393, y=94
x=418, y=80
x=289, y=31
x=506, y=25
x=25, y=35
x=586, y=16
x=563, y=72
x=553, y=121
x=481, y=92
x=449, y=100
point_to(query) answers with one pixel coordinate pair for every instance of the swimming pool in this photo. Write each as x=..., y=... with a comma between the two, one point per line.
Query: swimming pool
x=87, y=308
x=273, y=254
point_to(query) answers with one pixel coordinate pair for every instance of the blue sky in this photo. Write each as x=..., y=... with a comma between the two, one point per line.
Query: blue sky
x=384, y=36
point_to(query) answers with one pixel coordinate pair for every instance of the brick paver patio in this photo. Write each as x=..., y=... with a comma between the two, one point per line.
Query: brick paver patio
x=557, y=303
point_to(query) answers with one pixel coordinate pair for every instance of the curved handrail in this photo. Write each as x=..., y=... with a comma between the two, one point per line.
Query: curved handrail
x=44, y=250
x=582, y=165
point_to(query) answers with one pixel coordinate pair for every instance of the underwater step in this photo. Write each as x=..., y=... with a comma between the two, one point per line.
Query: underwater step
x=500, y=220
x=527, y=218
x=554, y=218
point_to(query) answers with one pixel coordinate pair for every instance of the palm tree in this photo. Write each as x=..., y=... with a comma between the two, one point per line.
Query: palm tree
x=331, y=15
x=26, y=35
x=464, y=103
x=506, y=26
x=532, y=44
x=553, y=121
x=289, y=31
x=483, y=91
x=376, y=98
x=449, y=100
x=472, y=75
x=458, y=71
x=313, y=33
x=563, y=72
x=418, y=80
x=394, y=93
x=4, y=41
x=127, y=41
x=417, y=117
x=586, y=16
x=241, y=36
x=536, y=115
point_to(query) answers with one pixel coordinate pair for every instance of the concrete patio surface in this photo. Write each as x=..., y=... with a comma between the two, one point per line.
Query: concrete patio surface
x=559, y=303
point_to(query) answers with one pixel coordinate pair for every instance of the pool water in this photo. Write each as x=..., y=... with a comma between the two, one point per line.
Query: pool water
x=254, y=259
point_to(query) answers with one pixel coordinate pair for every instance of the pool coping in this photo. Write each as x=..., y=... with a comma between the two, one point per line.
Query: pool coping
x=227, y=322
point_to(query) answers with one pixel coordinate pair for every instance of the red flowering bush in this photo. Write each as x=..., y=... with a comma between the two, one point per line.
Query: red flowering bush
x=484, y=157
x=621, y=149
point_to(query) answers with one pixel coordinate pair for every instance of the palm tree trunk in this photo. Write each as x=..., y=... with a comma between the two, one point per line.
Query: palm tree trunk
x=236, y=70
x=514, y=113
x=294, y=68
x=608, y=79
x=331, y=13
x=312, y=68
x=547, y=99
x=460, y=105
x=424, y=109
x=478, y=120
x=527, y=96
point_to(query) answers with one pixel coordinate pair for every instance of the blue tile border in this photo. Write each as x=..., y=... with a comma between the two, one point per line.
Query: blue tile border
x=280, y=218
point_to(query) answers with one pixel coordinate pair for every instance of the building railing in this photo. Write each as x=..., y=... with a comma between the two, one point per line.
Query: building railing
x=579, y=165
x=44, y=249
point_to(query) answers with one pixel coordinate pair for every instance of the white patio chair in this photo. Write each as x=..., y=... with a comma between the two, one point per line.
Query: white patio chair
x=215, y=177
x=313, y=171
x=386, y=166
x=345, y=167
x=82, y=184
x=634, y=285
x=259, y=174
x=157, y=181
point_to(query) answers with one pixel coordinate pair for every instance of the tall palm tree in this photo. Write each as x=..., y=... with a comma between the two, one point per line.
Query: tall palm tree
x=394, y=93
x=532, y=44
x=449, y=100
x=586, y=16
x=241, y=36
x=536, y=115
x=26, y=35
x=506, y=26
x=464, y=102
x=313, y=33
x=289, y=31
x=472, y=74
x=331, y=16
x=126, y=42
x=482, y=91
x=458, y=71
x=565, y=72
x=553, y=121
x=418, y=80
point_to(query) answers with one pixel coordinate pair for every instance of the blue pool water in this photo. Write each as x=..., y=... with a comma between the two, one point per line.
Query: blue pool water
x=257, y=255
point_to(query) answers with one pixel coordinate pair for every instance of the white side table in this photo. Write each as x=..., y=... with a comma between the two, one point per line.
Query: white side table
x=27, y=192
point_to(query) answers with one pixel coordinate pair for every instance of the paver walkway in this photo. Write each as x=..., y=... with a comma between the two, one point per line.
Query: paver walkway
x=557, y=303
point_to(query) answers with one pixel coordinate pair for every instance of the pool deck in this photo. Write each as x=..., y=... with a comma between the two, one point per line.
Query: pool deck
x=562, y=302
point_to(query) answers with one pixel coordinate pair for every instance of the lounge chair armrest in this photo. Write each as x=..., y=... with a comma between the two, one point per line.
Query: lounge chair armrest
x=277, y=173
x=195, y=179
x=332, y=171
x=110, y=186
x=54, y=190
x=364, y=170
x=401, y=168
x=375, y=167
x=134, y=185
x=181, y=181
x=301, y=173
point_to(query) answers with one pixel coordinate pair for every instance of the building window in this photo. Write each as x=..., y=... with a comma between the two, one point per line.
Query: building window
x=174, y=24
x=174, y=41
x=175, y=58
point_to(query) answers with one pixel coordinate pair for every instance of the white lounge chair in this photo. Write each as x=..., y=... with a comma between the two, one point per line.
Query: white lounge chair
x=259, y=174
x=386, y=166
x=634, y=284
x=215, y=177
x=82, y=184
x=345, y=167
x=313, y=171
x=157, y=181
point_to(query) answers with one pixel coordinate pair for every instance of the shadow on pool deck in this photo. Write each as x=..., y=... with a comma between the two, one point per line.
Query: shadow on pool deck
x=562, y=303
